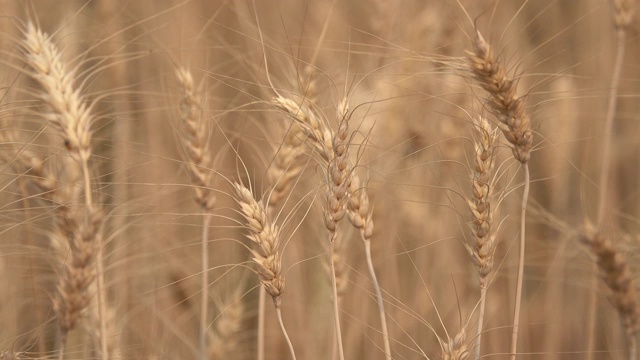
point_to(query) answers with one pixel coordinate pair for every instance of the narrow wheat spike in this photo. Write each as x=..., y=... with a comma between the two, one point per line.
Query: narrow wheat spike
x=515, y=123
x=73, y=290
x=266, y=237
x=619, y=279
x=483, y=246
x=195, y=142
x=70, y=114
x=337, y=195
x=456, y=348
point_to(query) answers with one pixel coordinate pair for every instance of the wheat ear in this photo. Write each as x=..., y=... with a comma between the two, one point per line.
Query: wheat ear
x=617, y=276
x=266, y=237
x=483, y=245
x=456, y=348
x=224, y=338
x=195, y=142
x=69, y=113
x=515, y=123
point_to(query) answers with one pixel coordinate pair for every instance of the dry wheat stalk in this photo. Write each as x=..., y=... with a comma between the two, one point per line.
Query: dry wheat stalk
x=361, y=217
x=69, y=113
x=195, y=142
x=515, y=123
x=266, y=237
x=623, y=12
x=337, y=195
x=483, y=246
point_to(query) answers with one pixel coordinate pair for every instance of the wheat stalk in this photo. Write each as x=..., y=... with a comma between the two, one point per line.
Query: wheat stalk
x=515, y=123
x=483, y=245
x=69, y=113
x=361, y=217
x=622, y=14
x=195, y=142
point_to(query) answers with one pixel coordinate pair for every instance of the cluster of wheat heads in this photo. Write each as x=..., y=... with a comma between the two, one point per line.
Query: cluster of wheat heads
x=311, y=180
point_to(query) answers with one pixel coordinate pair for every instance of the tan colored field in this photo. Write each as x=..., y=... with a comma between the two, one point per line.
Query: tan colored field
x=419, y=179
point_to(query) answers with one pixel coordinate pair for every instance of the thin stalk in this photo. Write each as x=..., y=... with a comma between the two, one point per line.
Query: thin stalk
x=262, y=300
x=102, y=301
x=284, y=332
x=633, y=348
x=608, y=130
x=376, y=286
x=483, y=301
x=604, y=178
x=336, y=309
x=516, y=315
x=206, y=219
x=62, y=344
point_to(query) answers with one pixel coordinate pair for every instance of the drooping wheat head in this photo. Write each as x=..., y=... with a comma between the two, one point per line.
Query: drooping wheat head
x=503, y=100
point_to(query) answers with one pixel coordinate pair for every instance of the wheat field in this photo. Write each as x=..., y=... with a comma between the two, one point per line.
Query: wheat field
x=389, y=179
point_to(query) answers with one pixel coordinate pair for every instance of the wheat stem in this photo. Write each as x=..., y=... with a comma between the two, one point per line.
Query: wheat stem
x=376, y=286
x=608, y=130
x=605, y=169
x=334, y=286
x=483, y=301
x=284, y=332
x=204, y=300
x=523, y=213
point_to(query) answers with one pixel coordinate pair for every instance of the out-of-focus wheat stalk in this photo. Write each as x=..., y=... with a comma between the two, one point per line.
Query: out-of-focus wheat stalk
x=195, y=143
x=622, y=16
